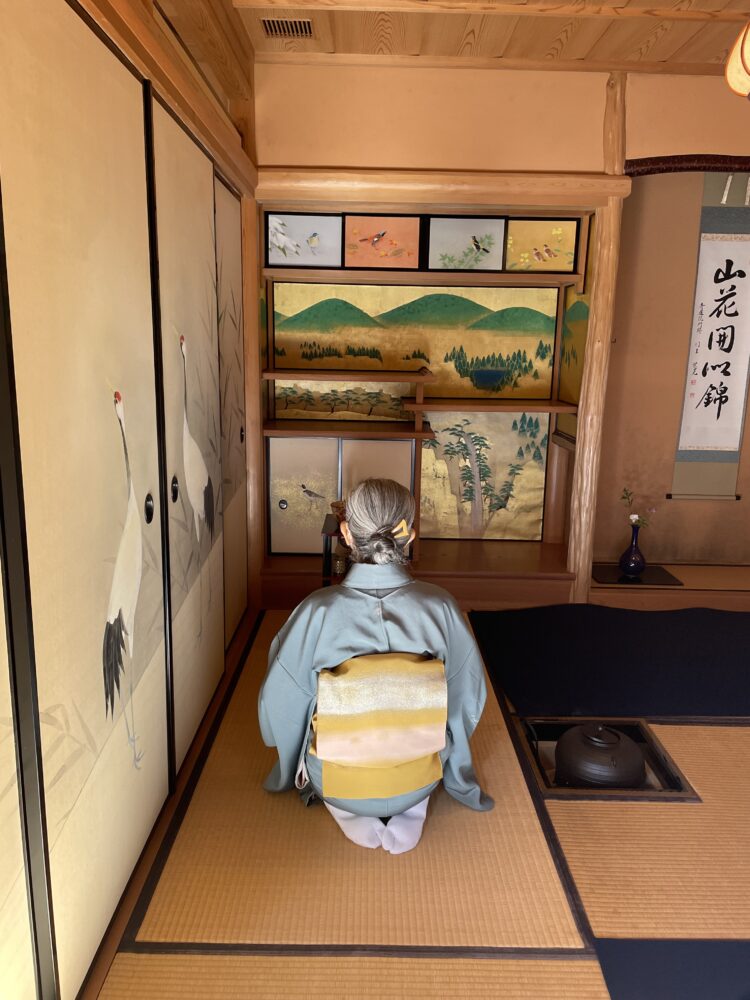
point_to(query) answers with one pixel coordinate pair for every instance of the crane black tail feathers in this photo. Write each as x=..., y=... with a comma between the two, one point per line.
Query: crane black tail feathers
x=208, y=506
x=112, y=650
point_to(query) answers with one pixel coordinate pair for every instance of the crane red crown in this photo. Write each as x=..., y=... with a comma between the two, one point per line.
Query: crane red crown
x=118, y=397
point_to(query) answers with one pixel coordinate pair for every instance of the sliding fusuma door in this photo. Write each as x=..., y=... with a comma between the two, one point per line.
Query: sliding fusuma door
x=184, y=186
x=16, y=957
x=232, y=376
x=76, y=236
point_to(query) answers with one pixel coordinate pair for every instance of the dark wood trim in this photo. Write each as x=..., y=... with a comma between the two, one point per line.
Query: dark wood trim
x=545, y=821
x=355, y=950
x=14, y=560
x=686, y=162
x=161, y=430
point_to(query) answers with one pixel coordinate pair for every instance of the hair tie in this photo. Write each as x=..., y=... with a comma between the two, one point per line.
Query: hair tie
x=401, y=530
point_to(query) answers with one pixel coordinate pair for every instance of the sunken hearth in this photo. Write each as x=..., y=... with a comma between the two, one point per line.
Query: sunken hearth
x=537, y=739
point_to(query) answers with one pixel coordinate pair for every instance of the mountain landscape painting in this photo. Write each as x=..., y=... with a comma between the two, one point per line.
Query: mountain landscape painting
x=483, y=476
x=487, y=342
x=300, y=400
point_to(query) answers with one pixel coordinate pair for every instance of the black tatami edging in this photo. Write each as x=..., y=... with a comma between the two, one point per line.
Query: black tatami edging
x=144, y=899
x=351, y=950
x=550, y=835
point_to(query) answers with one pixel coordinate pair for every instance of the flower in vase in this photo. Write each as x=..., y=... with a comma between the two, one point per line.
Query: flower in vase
x=627, y=497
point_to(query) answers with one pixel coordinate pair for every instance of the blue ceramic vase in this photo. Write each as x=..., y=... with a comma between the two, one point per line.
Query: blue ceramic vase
x=631, y=561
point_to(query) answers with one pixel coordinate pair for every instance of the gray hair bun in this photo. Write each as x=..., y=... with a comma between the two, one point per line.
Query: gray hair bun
x=373, y=511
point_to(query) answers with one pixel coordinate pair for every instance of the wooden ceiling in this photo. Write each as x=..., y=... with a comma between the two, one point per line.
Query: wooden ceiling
x=682, y=36
x=226, y=37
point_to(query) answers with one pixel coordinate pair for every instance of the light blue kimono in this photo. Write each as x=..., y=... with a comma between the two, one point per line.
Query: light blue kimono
x=377, y=609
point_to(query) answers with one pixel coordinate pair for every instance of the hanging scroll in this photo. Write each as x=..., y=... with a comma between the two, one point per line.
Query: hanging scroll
x=716, y=379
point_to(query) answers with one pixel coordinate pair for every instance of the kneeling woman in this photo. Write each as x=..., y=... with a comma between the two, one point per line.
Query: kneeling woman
x=374, y=687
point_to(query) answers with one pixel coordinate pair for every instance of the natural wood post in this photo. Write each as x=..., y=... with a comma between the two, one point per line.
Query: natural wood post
x=614, y=125
x=591, y=406
x=253, y=402
x=596, y=362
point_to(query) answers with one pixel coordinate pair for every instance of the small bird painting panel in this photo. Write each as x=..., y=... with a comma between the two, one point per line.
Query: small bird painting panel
x=483, y=476
x=341, y=400
x=303, y=240
x=382, y=241
x=486, y=342
x=541, y=245
x=466, y=244
x=376, y=460
x=303, y=480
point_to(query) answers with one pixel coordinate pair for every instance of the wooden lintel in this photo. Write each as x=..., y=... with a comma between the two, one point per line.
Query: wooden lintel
x=453, y=189
x=141, y=39
x=535, y=8
x=300, y=58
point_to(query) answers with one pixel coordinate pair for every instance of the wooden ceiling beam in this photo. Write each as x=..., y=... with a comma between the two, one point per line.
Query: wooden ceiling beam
x=214, y=35
x=487, y=62
x=538, y=8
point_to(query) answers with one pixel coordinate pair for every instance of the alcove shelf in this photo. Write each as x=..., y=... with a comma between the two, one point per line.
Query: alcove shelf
x=347, y=375
x=372, y=429
x=474, y=405
x=477, y=279
x=479, y=574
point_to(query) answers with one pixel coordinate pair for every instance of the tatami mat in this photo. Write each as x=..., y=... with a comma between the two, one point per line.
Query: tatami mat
x=251, y=867
x=672, y=870
x=195, y=977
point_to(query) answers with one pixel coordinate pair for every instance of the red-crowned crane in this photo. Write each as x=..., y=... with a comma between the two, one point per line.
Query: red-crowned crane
x=123, y=599
x=200, y=489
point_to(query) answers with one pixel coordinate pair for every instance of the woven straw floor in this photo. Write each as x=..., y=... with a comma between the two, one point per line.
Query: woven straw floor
x=196, y=977
x=672, y=870
x=251, y=867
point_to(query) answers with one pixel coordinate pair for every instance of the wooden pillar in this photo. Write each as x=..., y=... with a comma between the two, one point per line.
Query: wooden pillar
x=596, y=363
x=253, y=402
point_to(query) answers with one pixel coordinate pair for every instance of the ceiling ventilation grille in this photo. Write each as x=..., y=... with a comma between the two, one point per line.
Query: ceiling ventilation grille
x=287, y=27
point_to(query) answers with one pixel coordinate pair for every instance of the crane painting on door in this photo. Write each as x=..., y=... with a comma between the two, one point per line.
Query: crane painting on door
x=123, y=600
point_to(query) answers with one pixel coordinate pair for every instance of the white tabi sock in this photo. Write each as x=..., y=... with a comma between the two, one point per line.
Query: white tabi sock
x=404, y=830
x=366, y=831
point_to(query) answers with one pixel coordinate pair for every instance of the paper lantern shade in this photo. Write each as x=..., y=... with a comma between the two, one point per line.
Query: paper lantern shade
x=738, y=64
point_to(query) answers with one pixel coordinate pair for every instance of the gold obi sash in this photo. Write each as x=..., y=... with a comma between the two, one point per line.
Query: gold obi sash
x=380, y=724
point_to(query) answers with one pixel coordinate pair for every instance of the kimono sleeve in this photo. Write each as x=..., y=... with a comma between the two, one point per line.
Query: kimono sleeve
x=467, y=693
x=284, y=710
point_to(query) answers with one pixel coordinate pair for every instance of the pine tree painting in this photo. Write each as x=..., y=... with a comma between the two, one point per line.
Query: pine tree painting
x=483, y=476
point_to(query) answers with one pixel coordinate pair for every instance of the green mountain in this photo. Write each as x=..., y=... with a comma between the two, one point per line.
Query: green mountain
x=578, y=311
x=518, y=319
x=278, y=317
x=327, y=316
x=437, y=309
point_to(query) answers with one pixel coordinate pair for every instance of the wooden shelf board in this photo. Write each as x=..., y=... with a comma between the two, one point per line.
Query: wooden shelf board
x=476, y=557
x=378, y=429
x=693, y=577
x=511, y=279
x=488, y=405
x=345, y=375
x=456, y=557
